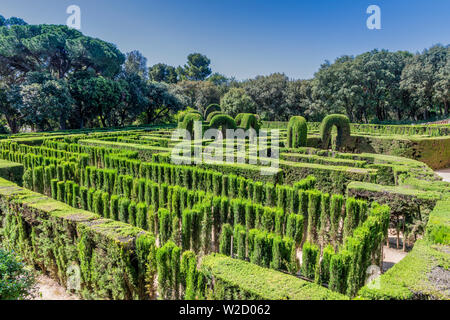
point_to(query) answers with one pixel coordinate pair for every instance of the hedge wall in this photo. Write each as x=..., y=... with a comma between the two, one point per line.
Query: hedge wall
x=111, y=256
x=11, y=171
x=233, y=279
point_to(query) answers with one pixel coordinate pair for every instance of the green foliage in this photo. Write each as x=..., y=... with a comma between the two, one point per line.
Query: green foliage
x=210, y=109
x=16, y=280
x=342, y=124
x=238, y=278
x=225, y=239
x=164, y=225
x=310, y=259
x=297, y=132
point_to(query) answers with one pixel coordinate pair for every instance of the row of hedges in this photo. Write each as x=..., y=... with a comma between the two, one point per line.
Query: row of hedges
x=11, y=171
x=345, y=270
x=111, y=256
x=234, y=279
x=260, y=247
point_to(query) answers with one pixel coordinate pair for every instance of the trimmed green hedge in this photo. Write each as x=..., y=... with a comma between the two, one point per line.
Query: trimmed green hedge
x=247, y=121
x=237, y=279
x=342, y=124
x=11, y=171
x=438, y=227
x=297, y=132
x=418, y=276
x=212, y=108
x=111, y=256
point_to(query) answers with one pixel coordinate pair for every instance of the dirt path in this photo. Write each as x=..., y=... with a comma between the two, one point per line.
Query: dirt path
x=49, y=289
x=444, y=173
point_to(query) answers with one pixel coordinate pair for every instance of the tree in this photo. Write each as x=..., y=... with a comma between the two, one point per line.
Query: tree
x=424, y=77
x=45, y=99
x=269, y=94
x=218, y=79
x=57, y=49
x=106, y=97
x=196, y=69
x=136, y=63
x=163, y=73
x=199, y=94
x=163, y=100
x=13, y=21
x=237, y=101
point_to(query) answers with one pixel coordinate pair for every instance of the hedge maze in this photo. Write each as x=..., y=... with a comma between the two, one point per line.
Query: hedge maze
x=139, y=226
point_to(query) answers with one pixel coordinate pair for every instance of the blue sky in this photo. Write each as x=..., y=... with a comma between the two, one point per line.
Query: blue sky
x=244, y=38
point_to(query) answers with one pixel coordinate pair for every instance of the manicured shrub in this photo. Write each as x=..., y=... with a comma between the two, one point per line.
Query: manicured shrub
x=314, y=198
x=124, y=203
x=106, y=205
x=214, y=107
x=188, y=122
x=267, y=220
x=336, y=203
x=69, y=192
x=61, y=195
x=76, y=203
x=306, y=184
x=310, y=259
x=277, y=254
x=259, y=247
x=114, y=207
x=279, y=221
x=323, y=268
x=240, y=241
x=164, y=225
x=351, y=216
x=342, y=124
x=270, y=195
x=232, y=186
x=297, y=132
x=163, y=195
x=247, y=121
x=222, y=121
x=206, y=227
x=168, y=262
x=324, y=218
x=132, y=213
x=212, y=115
x=225, y=215
x=98, y=203
x=38, y=179
x=54, y=183
x=238, y=207
x=339, y=272
x=188, y=272
x=294, y=227
x=250, y=217
x=28, y=179
x=83, y=197
x=225, y=239
x=258, y=192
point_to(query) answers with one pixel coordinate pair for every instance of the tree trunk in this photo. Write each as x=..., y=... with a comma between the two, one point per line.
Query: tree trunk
x=62, y=123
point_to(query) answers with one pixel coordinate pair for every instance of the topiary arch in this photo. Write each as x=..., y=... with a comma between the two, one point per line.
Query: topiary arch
x=342, y=124
x=212, y=114
x=184, y=113
x=297, y=133
x=212, y=108
x=188, y=121
x=247, y=121
x=222, y=121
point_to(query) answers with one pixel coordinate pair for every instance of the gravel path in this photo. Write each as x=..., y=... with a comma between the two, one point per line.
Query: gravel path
x=444, y=173
x=49, y=289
